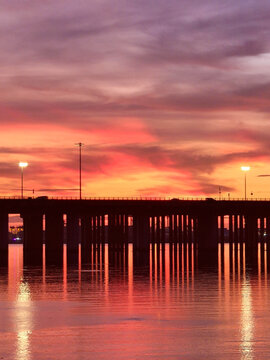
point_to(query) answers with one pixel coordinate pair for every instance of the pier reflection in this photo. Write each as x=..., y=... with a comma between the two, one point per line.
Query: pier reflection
x=170, y=277
x=167, y=263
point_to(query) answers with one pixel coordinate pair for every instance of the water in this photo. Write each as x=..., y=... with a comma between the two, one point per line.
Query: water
x=167, y=308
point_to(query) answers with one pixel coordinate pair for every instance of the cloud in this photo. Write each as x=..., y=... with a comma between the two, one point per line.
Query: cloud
x=176, y=87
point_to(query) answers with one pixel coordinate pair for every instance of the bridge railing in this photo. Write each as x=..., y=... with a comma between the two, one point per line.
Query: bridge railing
x=136, y=198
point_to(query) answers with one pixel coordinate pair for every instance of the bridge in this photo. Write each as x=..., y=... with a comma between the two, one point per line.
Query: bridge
x=204, y=223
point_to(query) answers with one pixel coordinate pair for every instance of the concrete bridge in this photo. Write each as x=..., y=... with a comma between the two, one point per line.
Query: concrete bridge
x=118, y=222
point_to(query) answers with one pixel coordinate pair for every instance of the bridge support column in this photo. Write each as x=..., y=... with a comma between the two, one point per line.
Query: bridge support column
x=175, y=229
x=222, y=229
x=184, y=228
x=180, y=229
x=3, y=238
x=103, y=229
x=115, y=231
x=98, y=229
x=230, y=229
x=171, y=228
x=235, y=229
x=268, y=229
x=251, y=231
x=54, y=238
x=94, y=229
x=208, y=232
x=262, y=229
x=241, y=229
x=152, y=228
x=86, y=239
x=158, y=229
x=142, y=233
x=195, y=230
x=73, y=234
x=190, y=232
x=33, y=239
x=163, y=237
x=126, y=229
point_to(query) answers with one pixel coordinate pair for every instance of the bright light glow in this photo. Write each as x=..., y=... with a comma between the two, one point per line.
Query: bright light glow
x=23, y=164
x=245, y=168
x=247, y=322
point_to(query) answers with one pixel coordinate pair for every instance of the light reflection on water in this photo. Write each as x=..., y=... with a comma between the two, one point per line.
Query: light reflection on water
x=23, y=310
x=170, y=304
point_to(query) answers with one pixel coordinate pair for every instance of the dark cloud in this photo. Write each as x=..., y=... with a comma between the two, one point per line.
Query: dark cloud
x=192, y=160
x=202, y=187
x=186, y=70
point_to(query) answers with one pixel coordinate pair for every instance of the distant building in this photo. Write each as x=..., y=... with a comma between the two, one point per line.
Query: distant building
x=16, y=234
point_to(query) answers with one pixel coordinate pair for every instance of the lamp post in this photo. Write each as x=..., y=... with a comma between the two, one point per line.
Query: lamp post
x=80, y=144
x=245, y=169
x=22, y=165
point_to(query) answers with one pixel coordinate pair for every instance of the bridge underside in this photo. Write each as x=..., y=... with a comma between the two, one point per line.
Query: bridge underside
x=204, y=230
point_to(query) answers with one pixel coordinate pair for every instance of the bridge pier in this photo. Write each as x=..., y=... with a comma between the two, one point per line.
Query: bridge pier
x=141, y=237
x=126, y=229
x=98, y=229
x=163, y=229
x=241, y=229
x=158, y=237
x=141, y=240
x=230, y=228
x=86, y=239
x=54, y=238
x=190, y=229
x=73, y=234
x=175, y=229
x=180, y=229
x=94, y=230
x=184, y=237
x=235, y=229
x=33, y=239
x=251, y=231
x=267, y=229
x=222, y=237
x=170, y=229
x=208, y=232
x=262, y=229
x=115, y=231
x=3, y=238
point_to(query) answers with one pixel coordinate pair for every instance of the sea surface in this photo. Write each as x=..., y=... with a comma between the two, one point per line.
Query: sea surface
x=168, y=305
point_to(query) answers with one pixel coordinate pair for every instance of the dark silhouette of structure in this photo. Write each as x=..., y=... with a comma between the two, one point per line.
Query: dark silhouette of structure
x=118, y=222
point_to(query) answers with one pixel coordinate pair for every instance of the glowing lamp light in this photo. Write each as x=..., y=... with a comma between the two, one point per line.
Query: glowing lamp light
x=23, y=164
x=245, y=168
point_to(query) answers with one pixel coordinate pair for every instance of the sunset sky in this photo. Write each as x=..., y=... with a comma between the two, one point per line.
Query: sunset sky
x=169, y=97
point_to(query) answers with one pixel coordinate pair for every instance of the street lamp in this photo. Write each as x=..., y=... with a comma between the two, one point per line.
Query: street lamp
x=22, y=165
x=245, y=169
x=80, y=144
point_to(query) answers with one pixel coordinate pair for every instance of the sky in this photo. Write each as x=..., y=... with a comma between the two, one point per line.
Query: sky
x=170, y=98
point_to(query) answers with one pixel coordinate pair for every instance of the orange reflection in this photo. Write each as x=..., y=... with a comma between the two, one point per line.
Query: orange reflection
x=64, y=271
x=167, y=272
x=106, y=272
x=247, y=322
x=23, y=321
x=232, y=296
x=15, y=269
x=80, y=266
x=44, y=266
x=130, y=274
